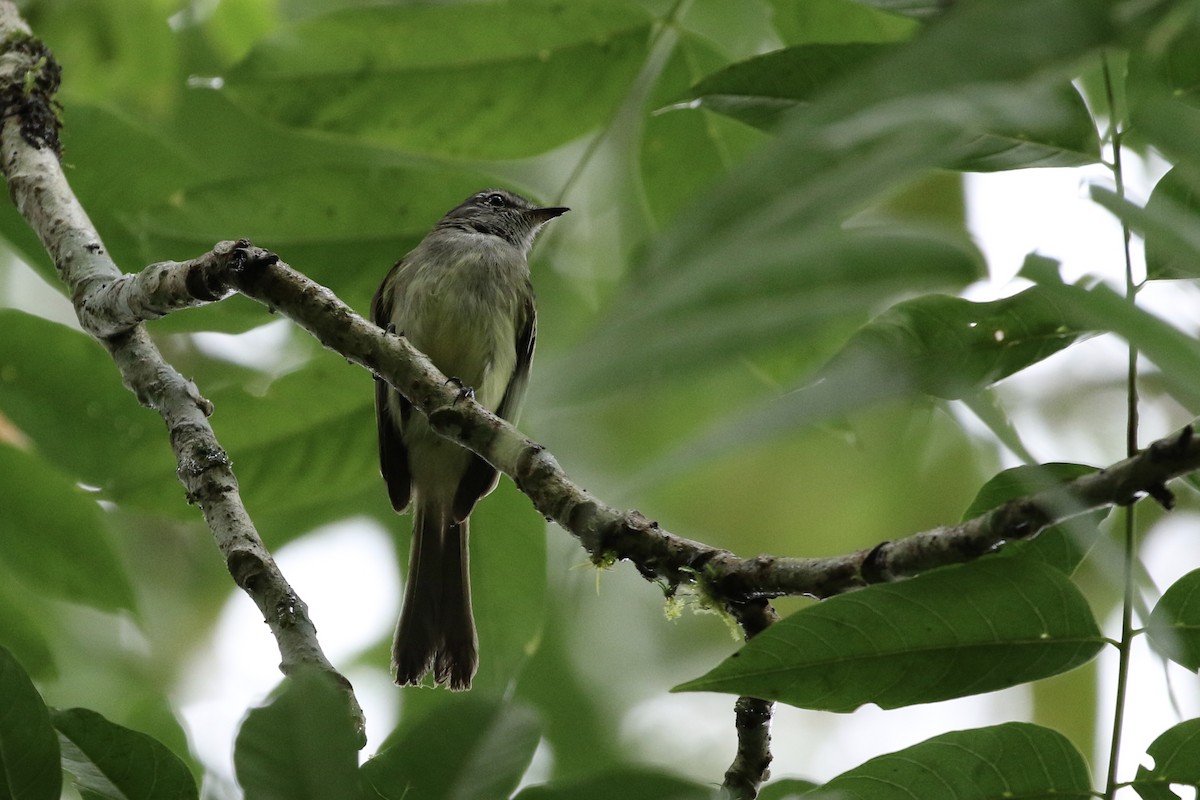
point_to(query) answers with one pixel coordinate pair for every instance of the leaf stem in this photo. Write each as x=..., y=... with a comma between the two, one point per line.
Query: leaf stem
x=1131, y=447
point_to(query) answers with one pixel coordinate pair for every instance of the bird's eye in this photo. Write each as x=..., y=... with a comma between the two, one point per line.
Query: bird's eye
x=496, y=200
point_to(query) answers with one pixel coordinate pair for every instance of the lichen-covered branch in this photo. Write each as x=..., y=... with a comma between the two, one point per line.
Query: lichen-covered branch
x=29, y=159
x=609, y=533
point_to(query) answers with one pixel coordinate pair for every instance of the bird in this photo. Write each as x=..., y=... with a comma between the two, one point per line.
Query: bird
x=464, y=298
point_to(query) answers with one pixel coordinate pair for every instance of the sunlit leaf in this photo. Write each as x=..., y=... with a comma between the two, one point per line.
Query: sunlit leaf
x=481, y=80
x=1016, y=759
x=948, y=633
x=29, y=766
x=110, y=761
x=471, y=748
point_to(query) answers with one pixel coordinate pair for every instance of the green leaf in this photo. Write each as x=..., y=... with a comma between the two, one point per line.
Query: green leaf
x=55, y=537
x=910, y=8
x=901, y=115
x=1170, y=224
x=508, y=577
x=472, y=747
x=933, y=345
x=111, y=761
x=786, y=789
x=302, y=745
x=949, y=633
x=627, y=784
x=833, y=21
x=26, y=629
x=1099, y=308
x=495, y=80
x=678, y=322
x=1016, y=759
x=761, y=91
x=61, y=389
x=1176, y=755
x=1174, y=624
x=764, y=90
x=29, y=768
x=1061, y=546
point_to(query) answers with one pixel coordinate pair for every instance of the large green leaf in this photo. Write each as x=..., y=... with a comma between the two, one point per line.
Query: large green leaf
x=1016, y=759
x=786, y=789
x=1174, y=624
x=1176, y=755
x=472, y=747
x=1170, y=224
x=1060, y=546
x=26, y=629
x=902, y=114
x=763, y=91
x=302, y=746
x=29, y=768
x=934, y=345
x=627, y=784
x=833, y=21
x=60, y=387
x=54, y=537
x=113, y=762
x=674, y=323
x=1099, y=308
x=480, y=80
x=948, y=633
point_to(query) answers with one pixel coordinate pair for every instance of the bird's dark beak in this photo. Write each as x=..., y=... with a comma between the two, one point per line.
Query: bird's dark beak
x=546, y=214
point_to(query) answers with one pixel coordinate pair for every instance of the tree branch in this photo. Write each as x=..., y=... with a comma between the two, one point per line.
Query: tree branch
x=608, y=533
x=29, y=159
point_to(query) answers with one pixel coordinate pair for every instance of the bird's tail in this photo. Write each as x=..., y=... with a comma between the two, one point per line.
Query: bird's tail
x=437, y=630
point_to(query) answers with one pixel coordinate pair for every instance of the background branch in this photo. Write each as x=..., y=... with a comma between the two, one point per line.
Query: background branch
x=31, y=165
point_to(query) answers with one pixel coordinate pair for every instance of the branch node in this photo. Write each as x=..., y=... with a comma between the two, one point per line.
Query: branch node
x=873, y=568
x=1162, y=495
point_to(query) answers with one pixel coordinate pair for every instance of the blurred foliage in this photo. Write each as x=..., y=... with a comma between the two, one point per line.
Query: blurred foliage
x=762, y=325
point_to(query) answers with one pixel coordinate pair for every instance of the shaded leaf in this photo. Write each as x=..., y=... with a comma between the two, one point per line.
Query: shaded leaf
x=1016, y=759
x=301, y=745
x=54, y=537
x=934, y=345
x=1099, y=308
x=483, y=80
x=1174, y=624
x=90, y=418
x=29, y=768
x=1176, y=755
x=472, y=747
x=111, y=761
x=680, y=321
x=763, y=91
x=911, y=8
x=786, y=789
x=833, y=21
x=1060, y=546
x=628, y=784
x=948, y=633
x=1170, y=224
x=26, y=630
